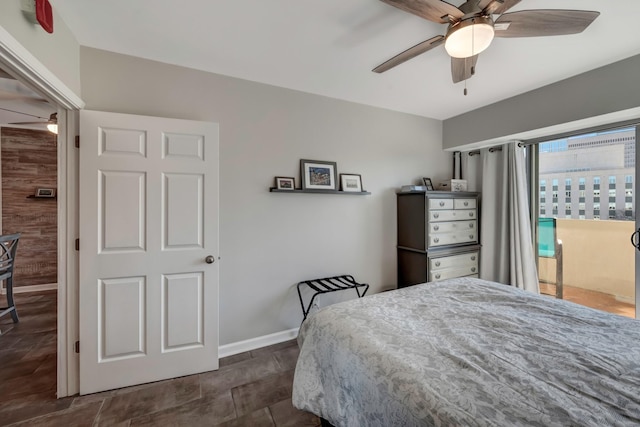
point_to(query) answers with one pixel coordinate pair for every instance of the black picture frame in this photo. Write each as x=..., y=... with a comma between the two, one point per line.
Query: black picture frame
x=351, y=182
x=428, y=184
x=319, y=175
x=285, y=183
x=45, y=192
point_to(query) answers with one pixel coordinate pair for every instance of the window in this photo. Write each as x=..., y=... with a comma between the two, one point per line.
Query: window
x=628, y=179
x=612, y=206
x=612, y=180
x=567, y=182
x=581, y=182
x=543, y=185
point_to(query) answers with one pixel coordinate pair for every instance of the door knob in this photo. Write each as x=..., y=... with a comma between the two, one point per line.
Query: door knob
x=210, y=259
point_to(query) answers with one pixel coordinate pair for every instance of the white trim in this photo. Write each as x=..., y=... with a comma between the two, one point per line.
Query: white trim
x=20, y=63
x=33, y=288
x=16, y=59
x=258, y=342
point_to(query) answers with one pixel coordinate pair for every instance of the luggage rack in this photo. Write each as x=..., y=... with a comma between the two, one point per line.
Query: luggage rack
x=329, y=284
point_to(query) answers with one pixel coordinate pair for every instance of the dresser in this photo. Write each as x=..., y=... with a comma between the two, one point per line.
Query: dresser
x=438, y=236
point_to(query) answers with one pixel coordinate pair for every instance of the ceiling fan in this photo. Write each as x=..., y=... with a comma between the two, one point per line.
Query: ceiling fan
x=472, y=27
x=52, y=123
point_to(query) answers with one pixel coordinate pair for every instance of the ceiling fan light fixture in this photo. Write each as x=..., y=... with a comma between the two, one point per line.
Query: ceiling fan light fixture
x=52, y=124
x=469, y=37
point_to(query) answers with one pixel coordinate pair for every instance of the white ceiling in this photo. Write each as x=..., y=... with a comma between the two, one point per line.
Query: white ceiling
x=328, y=47
x=19, y=104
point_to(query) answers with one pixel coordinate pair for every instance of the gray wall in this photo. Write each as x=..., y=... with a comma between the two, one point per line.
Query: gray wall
x=605, y=90
x=59, y=51
x=270, y=241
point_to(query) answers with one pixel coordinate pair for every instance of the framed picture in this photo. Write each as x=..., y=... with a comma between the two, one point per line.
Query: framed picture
x=350, y=182
x=428, y=184
x=46, y=192
x=285, y=183
x=318, y=175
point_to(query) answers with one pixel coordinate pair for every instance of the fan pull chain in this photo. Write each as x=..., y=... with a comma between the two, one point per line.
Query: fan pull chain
x=473, y=50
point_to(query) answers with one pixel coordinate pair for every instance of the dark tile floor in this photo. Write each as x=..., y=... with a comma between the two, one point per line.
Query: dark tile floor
x=249, y=389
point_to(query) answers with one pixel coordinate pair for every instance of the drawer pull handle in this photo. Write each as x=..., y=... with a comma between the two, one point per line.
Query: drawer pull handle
x=436, y=240
x=471, y=214
x=473, y=258
x=471, y=236
x=437, y=263
x=438, y=276
x=466, y=203
x=473, y=269
x=436, y=228
x=441, y=203
x=471, y=225
x=436, y=215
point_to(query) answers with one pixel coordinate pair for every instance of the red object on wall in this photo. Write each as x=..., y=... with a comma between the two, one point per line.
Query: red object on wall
x=44, y=15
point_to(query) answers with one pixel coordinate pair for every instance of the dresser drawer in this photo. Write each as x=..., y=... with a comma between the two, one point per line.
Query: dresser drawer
x=441, y=204
x=464, y=204
x=452, y=215
x=469, y=259
x=451, y=273
x=453, y=238
x=445, y=227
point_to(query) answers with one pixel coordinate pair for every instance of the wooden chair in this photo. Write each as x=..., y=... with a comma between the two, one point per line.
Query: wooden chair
x=8, y=248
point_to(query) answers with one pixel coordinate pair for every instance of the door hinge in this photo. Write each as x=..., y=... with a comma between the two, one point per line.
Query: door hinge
x=77, y=141
x=77, y=244
x=76, y=346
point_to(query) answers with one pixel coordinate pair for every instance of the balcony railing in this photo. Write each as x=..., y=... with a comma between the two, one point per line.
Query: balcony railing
x=597, y=257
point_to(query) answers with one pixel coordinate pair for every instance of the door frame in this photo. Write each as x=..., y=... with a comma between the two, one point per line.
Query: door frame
x=22, y=64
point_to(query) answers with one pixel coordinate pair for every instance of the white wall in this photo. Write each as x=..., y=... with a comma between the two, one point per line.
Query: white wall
x=59, y=51
x=270, y=241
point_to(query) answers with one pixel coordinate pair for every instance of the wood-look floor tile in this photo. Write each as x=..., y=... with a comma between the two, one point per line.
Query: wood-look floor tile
x=270, y=349
x=287, y=357
x=285, y=415
x=200, y=412
x=216, y=382
x=80, y=416
x=122, y=407
x=230, y=360
x=31, y=406
x=259, y=418
x=262, y=393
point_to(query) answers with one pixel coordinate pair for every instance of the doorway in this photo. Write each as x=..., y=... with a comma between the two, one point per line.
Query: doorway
x=19, y=64
x=586, y=213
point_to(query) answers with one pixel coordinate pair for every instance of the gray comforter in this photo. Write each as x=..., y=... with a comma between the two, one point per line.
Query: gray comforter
x=467, y=352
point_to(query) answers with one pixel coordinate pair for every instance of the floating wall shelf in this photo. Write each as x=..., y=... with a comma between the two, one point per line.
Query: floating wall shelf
x=300, y=190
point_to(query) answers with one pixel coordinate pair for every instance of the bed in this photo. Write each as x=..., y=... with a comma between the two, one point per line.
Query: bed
x=468, y=352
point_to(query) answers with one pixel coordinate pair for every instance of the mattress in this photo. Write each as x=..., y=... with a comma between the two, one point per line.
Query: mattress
x=468, y=352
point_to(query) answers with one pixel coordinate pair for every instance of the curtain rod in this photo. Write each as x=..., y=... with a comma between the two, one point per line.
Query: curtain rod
x=491, y=150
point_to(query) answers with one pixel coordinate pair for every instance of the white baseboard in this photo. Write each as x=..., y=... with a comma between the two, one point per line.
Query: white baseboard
x=258, y=342
x=31, y=288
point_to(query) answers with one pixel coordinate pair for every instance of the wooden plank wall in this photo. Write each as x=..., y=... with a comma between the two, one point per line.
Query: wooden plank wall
x=30, y=161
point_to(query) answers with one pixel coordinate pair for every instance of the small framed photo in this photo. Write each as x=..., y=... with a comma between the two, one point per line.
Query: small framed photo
x=45, y=192
x=285, y=183
x=318, y=175
x=428, y=184
x=350, y=182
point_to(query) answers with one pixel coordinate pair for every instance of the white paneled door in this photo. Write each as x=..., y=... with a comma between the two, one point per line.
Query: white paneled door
x=148, y=249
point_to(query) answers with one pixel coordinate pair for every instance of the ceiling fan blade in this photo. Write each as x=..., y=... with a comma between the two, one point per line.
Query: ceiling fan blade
x=543, y=22
x=29, y=123
x=463, y=68
x=496, y=7
x=412, y=52
x=433, y=10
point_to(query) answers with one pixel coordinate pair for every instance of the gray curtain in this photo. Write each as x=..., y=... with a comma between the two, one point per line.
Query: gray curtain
x=507, y=245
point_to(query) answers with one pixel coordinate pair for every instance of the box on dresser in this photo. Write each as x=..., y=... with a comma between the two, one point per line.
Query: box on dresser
x=438, y=236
